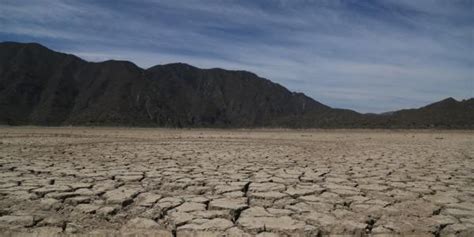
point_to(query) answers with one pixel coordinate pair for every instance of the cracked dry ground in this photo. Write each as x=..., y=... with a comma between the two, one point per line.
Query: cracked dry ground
x=159, y=182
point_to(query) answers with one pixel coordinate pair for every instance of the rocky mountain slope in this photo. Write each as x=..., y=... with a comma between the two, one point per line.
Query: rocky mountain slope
x=43, y=87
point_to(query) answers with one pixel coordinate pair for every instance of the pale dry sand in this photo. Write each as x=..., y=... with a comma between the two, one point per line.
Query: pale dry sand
x=165, y=182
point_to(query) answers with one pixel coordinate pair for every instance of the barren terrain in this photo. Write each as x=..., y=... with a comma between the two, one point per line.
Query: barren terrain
x=164, y=182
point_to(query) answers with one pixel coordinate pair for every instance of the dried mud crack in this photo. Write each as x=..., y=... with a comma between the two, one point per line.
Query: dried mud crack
x=159, y=182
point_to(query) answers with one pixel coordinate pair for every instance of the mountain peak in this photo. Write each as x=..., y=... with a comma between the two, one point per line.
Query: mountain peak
x=449, y=100
x=43, y=87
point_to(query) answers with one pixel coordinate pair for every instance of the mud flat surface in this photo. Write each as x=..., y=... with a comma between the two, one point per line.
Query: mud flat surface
x=163, y=182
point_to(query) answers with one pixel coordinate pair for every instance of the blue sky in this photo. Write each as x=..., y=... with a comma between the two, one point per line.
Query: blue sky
x=370, y=56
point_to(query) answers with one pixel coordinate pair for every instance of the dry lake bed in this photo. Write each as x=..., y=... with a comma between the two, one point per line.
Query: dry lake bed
x=165, y=182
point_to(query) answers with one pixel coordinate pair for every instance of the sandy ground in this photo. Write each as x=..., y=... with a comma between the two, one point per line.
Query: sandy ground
x=163, y=182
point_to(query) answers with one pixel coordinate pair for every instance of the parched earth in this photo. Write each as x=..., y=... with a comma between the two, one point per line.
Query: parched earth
x=164, y=182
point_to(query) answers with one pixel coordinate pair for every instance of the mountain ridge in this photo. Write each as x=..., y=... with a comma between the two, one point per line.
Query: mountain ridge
x=43, y=87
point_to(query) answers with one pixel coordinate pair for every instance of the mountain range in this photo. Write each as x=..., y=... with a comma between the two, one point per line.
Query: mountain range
x=39, y=86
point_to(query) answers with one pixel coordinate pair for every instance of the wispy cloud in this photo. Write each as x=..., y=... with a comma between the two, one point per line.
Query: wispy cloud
x=371, y=56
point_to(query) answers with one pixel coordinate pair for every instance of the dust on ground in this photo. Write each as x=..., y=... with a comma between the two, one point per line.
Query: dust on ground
x=166, y=182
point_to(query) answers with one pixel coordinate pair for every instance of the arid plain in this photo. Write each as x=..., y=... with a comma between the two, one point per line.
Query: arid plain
x=166, y=182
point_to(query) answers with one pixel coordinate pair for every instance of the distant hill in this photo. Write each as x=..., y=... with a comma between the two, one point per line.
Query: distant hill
x=43, y=87
x=448, y=113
